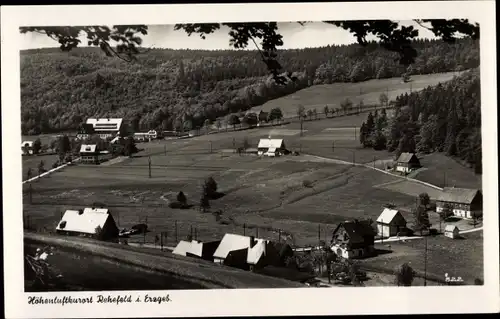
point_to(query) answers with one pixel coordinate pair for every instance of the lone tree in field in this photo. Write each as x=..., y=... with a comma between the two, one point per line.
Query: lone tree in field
x=326, y=110
x=63, y=145
x=393, y=37
x=246, y=143
x=207, y=124
x=404, y=275
x=424, y=199
x=383, y=99
x=310, y=114
x=181, y=198
x=301, y=111
x=29, y=173
x=233, y=120
x=130, y=147
x=204, y=202
x=210, y=187
x=275, y=114
x=37, y=146
x=41, y=167
x=421, y=218
x=346, y=105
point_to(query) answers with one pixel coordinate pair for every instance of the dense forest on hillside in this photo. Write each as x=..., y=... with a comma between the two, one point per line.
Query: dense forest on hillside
x=168, y=88
x=444, y=118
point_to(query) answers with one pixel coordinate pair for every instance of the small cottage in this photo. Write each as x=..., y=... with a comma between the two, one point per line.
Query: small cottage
x=390, y=223
x=407, y=162
x=88, y=223
x=353, y=239
x=451, y=231
x=263, y=253
x=90, y=154
x=465, y=203
x=271, y=147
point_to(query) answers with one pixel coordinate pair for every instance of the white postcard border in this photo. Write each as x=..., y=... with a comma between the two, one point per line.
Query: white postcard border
x=310, y=301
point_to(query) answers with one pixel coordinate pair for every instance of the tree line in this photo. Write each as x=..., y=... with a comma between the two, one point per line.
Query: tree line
x=167, y=88
x=443, y=118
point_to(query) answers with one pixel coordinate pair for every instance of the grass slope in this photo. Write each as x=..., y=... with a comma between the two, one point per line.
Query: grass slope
x=175, y=272
x=369, y=91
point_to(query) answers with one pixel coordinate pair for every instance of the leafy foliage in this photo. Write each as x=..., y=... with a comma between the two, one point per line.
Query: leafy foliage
x=163, y=88
x=181, y=198
x=404, y=275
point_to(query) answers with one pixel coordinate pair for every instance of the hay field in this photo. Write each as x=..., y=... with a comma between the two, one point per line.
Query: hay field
x=289, y=194
x=318, y=96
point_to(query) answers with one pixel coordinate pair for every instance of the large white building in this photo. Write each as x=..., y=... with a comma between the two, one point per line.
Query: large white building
x=105, y=127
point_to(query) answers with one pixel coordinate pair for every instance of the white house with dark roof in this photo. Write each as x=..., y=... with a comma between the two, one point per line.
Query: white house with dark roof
x=407, y=162
x=271, y=147
x=452, y=231
x=87, y=222
x=390, y=223
x=90, y=154
x=106, y=127
x=464, y=202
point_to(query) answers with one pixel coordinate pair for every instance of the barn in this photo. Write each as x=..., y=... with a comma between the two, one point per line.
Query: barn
x=390, y=223
x=452, y=231
x=465, y=203
x=407, y=162
x=88, y=222
x=271, y=147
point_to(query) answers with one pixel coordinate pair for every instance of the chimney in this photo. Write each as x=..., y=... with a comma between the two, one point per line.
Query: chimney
x=252, y=241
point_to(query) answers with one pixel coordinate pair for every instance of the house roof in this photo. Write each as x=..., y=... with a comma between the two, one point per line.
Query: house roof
x=86, y=128
x=96, y=210
x=270, y=143
x=82, y=222
x=231, y=242
x=256, y=252
x=356, y=229
x=405, y=157
x=88, y=148
x=457, y=195
x=193, y=247
x=387, y=215
x=451, y=228
x=106, y=124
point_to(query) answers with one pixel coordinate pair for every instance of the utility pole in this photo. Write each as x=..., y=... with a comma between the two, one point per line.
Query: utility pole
x=257, y=232
x=191, y=232
x=234, y=143
x=333, y=146
x=161, y=241
x=301, y=120
x=444, y=179
x=244, y=229
x=30, y=193
x=425, y=263
x=353, y=158
x=176, y=233
x=319, y=234
x=374, y=160
x=165, y=150
x=149, y=165
x=210, y=146
x=354, y=133
x=195, y=233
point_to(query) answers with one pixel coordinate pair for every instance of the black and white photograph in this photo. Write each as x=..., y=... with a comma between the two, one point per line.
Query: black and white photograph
x=248, y=153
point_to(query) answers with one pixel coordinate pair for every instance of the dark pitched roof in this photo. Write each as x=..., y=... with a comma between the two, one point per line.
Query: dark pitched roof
x=406, y=157
x=357, y=229
x=457, y=195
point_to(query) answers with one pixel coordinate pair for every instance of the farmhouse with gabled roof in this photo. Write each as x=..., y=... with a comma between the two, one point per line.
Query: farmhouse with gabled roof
x=88, y=222
x=465, y=203
x=353, y=239
x=390, y=222
x=271, y=147
x=407, y=162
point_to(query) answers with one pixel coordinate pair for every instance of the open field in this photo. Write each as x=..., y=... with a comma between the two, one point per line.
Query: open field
x=264, y=193
x=332, y=95
x=457, y=257
x=157, y=270
x=440, y=169
x=32, y=161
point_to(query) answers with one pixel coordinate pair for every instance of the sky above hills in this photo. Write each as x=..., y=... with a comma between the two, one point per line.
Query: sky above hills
x=295, y=36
